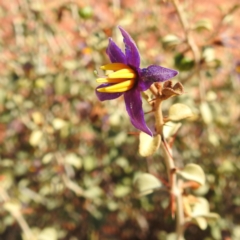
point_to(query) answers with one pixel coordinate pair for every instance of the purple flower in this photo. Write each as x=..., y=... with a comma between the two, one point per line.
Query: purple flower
x=129, y=79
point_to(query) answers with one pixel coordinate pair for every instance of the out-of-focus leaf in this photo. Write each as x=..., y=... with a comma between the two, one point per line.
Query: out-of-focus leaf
x=206, y=113
x=12, y=206
x=193, y=172
x=146, y=183
x=74, y=160
x=37, y=117
x=183, y=63
x=148, y=145
x=48, y=233
x=89, y=163
x=173, y=236
x=2, y=96
x=170, y=41
x=201, y=222
x=112, y=206
x=200, y=208
x=47, y=158
x=208, y=54
x=61, y=85
x=227, y=167
x=6, y=179
x=179, y=111
x=37, y=6
x=40, y=83
x=93, y=192
x=70, y=65
x=86, y=12
x=211, y=216
x=121, y=190
x=203, y=24
x=36, y=137
x=58, y=123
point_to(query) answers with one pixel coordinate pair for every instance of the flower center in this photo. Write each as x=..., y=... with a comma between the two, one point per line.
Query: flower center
x=122, y=79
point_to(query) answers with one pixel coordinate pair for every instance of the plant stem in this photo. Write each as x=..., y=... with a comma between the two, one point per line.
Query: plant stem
x=174, y=184
x=17, y=215
x=190, y=41
x=179, y=212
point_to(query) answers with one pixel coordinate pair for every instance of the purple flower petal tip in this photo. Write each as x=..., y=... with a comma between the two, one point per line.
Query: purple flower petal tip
x=153, y=74
x=115, y=53
x=157, y=73
x=131, y=50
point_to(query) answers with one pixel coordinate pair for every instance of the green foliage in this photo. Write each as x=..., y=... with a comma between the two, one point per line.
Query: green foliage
x=183, y=63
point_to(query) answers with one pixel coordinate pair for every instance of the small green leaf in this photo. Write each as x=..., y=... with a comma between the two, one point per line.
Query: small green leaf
x=179, y=111
x=86, y=12
x=183, y=63
x=193, y=172
x=121, y=191
x=89, y=163
x=146, y=183
x=203, y=24
x=170, y=41
x=148, y=145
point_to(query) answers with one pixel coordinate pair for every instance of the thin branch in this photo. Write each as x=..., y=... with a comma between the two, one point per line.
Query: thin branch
x=65, y=178
x=17, y=215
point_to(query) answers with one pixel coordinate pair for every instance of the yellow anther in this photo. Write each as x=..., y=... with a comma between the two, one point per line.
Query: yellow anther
x=123, y=73
x=114, y=66
x=120, y=87
x=107, y=80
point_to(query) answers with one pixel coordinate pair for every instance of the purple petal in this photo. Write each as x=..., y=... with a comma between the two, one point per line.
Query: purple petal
x=133, y=103
x=115, y=53
x=106, y=96
x=131, y=51
x=154, y=73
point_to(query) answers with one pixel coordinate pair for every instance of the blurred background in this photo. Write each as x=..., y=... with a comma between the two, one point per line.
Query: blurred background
x=67, y=161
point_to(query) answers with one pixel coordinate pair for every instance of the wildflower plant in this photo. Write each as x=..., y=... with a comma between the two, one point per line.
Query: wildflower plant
x=129, y=80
